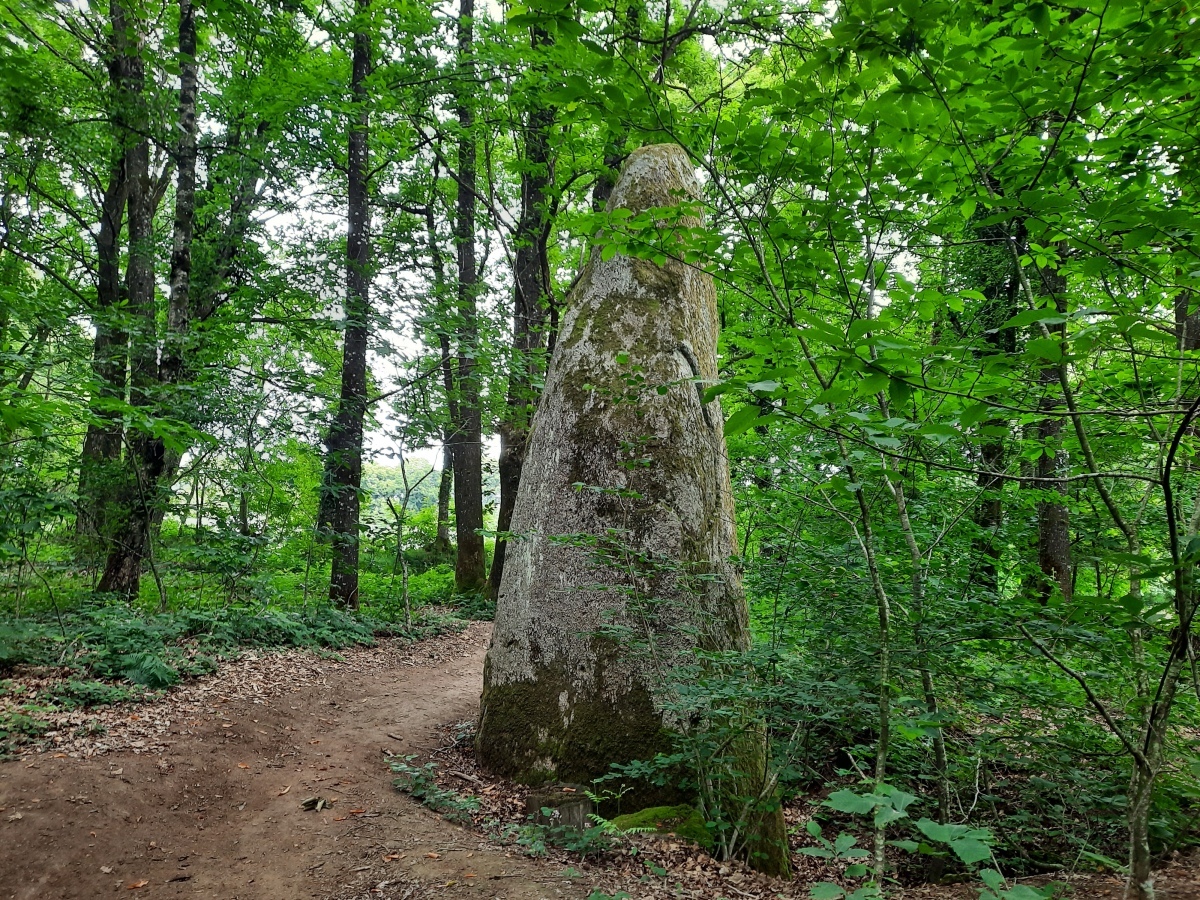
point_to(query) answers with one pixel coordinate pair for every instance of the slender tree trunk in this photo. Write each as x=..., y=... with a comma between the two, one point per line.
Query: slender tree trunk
x=1054, y=537
x=999, y=288
x=1187, y=321
x=614, y=145
x=343, y=464
x=467, y=439
x=441, y=543
x=531, y=280
x=1140, y=884
x=207, y=284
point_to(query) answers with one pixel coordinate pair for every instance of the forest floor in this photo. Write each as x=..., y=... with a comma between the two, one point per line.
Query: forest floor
x=199, y=794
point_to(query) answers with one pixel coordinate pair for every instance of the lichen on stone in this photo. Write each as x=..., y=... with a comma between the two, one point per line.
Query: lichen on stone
x=624, y=521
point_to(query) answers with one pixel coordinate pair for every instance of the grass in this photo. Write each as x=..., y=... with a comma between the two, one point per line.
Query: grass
x=103, y=651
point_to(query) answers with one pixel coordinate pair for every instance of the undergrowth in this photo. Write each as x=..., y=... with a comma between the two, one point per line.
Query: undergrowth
x=99, y=653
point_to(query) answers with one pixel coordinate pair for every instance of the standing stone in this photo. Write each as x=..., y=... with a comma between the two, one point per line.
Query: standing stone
x=624, y=524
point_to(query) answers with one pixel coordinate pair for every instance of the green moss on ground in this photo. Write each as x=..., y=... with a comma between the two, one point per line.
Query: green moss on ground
x=682, y=821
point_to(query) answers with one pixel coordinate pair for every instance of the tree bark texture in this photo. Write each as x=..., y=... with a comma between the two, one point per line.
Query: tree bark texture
x=1053, y=517
x=148, y=454
x=531, y=280
x=99, y=470
x=624, y=523
x=614, y=144
x=343, y=464
x=470, y=571
x=442, y=546
x=997, y=282
x=128, y=549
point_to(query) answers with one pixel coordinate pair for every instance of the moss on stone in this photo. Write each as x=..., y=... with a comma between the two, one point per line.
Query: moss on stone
x=682, y=821
x=524, y=738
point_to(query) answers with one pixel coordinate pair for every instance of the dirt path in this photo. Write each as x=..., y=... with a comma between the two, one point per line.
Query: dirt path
x=199, y=795
x=217, y=813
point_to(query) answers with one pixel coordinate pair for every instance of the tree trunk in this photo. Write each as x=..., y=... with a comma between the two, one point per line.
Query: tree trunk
x=1053, y=517
x=470, y=572
x=207, y=284
x=995, y=279
x=442, y=546
x=99, y=469
x=614, y=585
x=531, y=280
x=123, y=568
x=614, y=145
x=343, y=464
x=1187, y=321
x=441, y=543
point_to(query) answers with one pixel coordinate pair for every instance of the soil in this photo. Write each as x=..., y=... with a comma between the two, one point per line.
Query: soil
x=200, y=794
x=218, y=812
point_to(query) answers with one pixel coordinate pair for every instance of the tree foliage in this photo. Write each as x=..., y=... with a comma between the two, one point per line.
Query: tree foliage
x=957, y=261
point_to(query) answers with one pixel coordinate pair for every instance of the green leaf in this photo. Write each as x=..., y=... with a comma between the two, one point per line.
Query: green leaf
x=970, y=850
x=885, y=815
x=849, y=802
x=741, y=419
x=844, y=842
x=935, y=831
x=1030, y=316
x=1045, y=348
x=901, y=800
x=823, y=890
x=992, y=879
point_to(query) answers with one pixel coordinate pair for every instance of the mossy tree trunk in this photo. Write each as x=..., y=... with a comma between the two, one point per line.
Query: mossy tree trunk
x=620, y=566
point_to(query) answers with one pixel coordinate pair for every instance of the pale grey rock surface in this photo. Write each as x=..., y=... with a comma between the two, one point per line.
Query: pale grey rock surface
x=626, y=462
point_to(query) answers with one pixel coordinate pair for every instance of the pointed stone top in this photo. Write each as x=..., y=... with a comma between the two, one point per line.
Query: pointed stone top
x=655, y=175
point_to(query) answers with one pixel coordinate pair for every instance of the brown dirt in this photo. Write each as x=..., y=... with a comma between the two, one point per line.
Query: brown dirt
x=217, y=812
x=198, y=794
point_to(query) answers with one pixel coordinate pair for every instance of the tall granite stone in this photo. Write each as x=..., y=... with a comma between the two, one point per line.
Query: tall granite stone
x=624, y=524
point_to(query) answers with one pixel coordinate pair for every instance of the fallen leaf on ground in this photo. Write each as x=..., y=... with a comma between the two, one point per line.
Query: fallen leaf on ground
x=357, y=812
x=284, y=791
x=433, y=856
x=243, y=765
x=15, y=816
x=106, y=870
x=134, y=885
x=391, y=857
x=339, y=818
